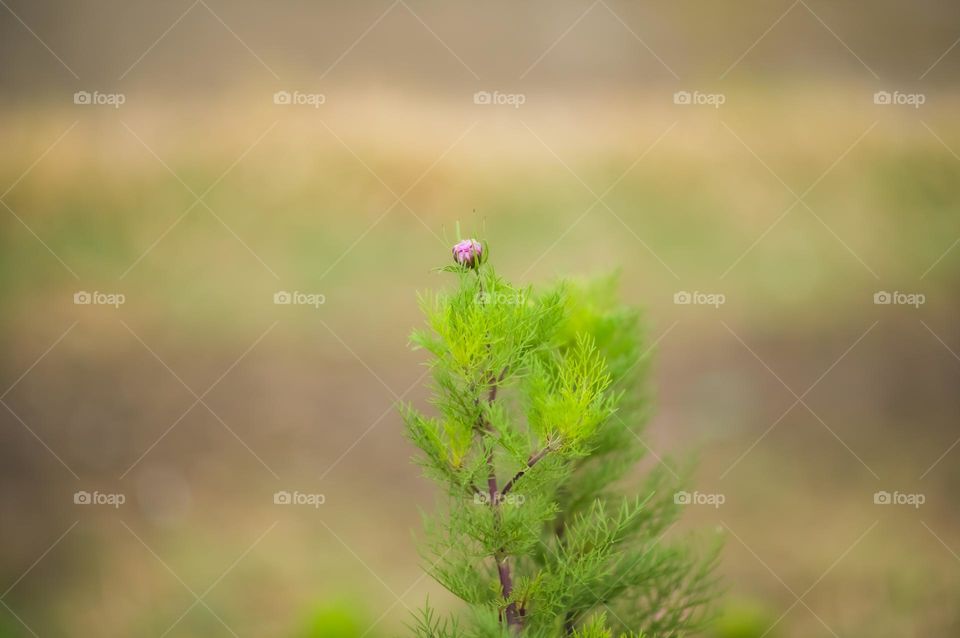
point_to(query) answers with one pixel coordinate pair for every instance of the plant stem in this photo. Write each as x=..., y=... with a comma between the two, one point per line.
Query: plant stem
x=514, y=621
x=506, y=585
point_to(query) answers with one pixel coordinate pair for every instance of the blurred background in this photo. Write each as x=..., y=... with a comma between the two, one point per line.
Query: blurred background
x=173, y=172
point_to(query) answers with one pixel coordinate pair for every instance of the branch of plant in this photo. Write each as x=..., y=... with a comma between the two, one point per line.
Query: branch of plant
x=533, y=460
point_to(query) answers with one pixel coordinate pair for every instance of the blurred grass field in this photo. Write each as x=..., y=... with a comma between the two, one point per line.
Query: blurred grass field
x=311, y=184
x=306, y=200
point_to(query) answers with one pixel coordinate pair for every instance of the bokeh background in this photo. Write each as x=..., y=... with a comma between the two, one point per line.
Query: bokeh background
x=798, y=199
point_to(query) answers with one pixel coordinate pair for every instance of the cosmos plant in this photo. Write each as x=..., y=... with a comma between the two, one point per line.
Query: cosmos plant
x=545, y=526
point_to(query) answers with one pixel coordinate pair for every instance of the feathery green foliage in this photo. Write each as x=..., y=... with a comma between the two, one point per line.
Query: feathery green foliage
x=544, y=532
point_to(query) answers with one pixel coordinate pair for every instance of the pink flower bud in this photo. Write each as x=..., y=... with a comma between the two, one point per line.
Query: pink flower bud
x=468, y=253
